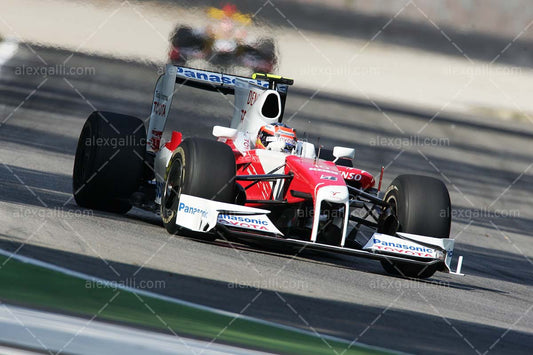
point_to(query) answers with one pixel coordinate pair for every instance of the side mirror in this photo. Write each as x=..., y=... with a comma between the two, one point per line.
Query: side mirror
x=343, y=152
x=224, y=132
x=305, y=149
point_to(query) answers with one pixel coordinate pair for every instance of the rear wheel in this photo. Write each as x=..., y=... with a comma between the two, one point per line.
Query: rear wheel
x=185, y=37
x=109, y=161
x=185, y=41
x=422, y=206
x=201, y=168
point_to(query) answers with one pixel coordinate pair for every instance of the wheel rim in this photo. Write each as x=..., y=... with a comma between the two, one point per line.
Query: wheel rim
x=392, y=203
x=173, y=186
x=394, y=209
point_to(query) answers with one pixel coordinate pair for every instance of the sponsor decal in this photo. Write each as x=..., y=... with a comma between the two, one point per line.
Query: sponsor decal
x=346, y=175
x=160, y=108
x=191, y=210
x=328, y=177
x=214, y=78
x=252, y=98
x=242, y=142
x=155, y=141
x=336, y=195
x=244, y=222
x=419, y=251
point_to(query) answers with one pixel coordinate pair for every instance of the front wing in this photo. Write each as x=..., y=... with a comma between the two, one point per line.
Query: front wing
x=248, y=223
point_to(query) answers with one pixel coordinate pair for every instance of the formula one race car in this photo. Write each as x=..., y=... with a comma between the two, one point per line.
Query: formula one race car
x=226, y=42
x=257, y=183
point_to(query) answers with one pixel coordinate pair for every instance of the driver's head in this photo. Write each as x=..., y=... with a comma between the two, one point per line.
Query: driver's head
x=229, y=10
x=276, y=133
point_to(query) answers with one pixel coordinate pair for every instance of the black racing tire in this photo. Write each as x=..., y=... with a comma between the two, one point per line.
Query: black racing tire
x=198, y=167
x=109, y=162
x=262, y=55
x=267, y=49
x=422, y=206
x=185, y=37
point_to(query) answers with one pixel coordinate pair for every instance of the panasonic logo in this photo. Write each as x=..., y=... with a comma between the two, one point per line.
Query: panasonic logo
x=214, y=78
x=243, y=219
x=191, y=210
x=402, y=246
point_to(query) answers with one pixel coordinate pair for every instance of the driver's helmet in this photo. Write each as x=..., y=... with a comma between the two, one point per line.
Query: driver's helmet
x=276, y=132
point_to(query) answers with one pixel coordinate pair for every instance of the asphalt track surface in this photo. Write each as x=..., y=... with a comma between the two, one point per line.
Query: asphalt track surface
x=486, y=164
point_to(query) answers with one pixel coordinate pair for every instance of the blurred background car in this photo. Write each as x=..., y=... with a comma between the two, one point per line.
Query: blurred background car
x=224, y=42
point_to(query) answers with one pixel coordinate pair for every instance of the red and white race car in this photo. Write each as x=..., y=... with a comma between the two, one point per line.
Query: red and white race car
x=256, y=182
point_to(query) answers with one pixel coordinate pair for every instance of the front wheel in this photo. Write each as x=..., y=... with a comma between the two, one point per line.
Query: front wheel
x=422, y=206
x=201, y=168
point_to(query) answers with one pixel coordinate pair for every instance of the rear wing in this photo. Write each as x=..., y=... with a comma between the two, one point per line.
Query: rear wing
x=205, y=80
x=225, y=83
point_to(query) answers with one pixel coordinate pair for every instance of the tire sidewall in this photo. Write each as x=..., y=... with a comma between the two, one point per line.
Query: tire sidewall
x=422, y=205
x=114, y=168
x=206, y=168
x=168, y=215
x=405, y=196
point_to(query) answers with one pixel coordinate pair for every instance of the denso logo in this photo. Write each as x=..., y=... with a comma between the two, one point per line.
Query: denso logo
x=191, y=210
x=403, y=248
x=346, y=175
x=214, y=77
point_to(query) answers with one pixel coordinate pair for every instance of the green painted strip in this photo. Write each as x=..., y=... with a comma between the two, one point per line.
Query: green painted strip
x=40, y=287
